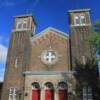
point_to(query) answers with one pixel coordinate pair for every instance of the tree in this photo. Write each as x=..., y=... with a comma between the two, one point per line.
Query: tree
x=87, y=74
x=95, y=38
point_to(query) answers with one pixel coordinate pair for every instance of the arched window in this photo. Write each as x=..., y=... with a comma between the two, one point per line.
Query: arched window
x=19, y=25
x=77, y=20
x=49, y=91
x=17, y=62
x=22, y=25
x=35, y=91
x=62, y=91
x=82, y=18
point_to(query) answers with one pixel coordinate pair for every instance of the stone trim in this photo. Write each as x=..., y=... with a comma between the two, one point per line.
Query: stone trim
x=80, y=25
x=47, y=72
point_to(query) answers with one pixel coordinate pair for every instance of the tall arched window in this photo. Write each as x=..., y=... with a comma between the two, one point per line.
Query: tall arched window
x=35, y=91
x=49, y=91
x=62, y=91
x=83, y=22
x=77, y=20
x=80, y=20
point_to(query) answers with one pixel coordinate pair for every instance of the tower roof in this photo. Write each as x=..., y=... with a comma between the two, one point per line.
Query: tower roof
x=78, y=10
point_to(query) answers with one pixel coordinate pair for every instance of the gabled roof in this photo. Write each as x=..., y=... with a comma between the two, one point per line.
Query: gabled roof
x=60, y=33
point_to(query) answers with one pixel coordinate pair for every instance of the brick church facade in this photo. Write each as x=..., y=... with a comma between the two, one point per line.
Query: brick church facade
x=39, y=66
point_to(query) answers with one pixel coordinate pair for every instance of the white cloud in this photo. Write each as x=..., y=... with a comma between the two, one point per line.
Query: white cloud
x=2, y=69
x=3, y=54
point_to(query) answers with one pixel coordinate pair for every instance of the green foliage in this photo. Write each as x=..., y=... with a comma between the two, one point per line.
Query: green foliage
x=86, y=72
x=32, y=35
x=95, y=38
x=97, y=26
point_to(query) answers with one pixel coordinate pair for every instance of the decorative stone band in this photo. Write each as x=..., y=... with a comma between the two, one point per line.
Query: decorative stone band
x=48, y=73
x=80, y=25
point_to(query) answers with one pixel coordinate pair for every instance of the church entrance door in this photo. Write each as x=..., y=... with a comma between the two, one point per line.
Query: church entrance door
x=48, y=94
x=36, y=94
x=62, y=95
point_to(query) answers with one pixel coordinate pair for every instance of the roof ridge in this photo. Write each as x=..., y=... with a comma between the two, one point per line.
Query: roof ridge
x=52, y=29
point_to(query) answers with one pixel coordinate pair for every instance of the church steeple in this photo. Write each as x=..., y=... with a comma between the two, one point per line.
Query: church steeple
x=80, y=30
x=18, y=55
x=24, y=23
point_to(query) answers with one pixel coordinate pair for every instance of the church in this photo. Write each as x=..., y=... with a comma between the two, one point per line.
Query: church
x=39, y=65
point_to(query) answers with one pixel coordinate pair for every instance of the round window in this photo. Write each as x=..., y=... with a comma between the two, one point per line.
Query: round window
x=49, y=57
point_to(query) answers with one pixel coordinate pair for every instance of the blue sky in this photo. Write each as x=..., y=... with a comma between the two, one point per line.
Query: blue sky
x=46, y=13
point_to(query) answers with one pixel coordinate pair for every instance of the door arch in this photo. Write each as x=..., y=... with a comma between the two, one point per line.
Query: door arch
x=35, y=91
x=49, y=91
x=62, y=91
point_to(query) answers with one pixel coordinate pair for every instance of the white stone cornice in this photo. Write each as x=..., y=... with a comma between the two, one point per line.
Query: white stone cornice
x=48, y=72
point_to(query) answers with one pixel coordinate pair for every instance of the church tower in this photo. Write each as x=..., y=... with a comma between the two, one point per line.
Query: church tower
x=18, y=57
x=80, y=30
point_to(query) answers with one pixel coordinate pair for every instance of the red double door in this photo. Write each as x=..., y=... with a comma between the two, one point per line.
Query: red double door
x=62, y=95
x=49, y=95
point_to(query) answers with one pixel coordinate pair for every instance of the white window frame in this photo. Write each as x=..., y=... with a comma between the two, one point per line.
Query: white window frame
x=17, y=62
x=12, y=93
x=87, y=93
x=22, y=22
x=75, y=20
x=82, y=17
x=79, y=18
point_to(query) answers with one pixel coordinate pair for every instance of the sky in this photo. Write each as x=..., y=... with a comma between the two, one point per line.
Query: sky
x=45, y=12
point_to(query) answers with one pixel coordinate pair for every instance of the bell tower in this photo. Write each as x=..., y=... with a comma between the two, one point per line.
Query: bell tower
x=24, y=23
x=18, y=57
x=80, y=30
